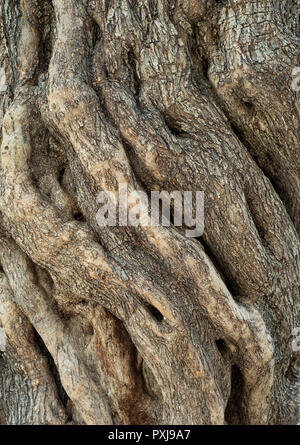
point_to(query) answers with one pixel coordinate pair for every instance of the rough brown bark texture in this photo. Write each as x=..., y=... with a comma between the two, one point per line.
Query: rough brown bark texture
x=142, y=325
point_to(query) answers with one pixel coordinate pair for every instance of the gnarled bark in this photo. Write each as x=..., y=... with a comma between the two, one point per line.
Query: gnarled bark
x=141, y=325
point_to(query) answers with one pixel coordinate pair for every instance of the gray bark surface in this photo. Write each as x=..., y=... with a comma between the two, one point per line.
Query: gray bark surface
x=142, y=325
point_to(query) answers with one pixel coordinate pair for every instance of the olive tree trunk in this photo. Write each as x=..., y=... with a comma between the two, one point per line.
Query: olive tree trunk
x=143, y=325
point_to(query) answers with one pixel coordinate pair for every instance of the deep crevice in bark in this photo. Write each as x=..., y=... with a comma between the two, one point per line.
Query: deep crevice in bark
x=229, y=282
x=53, y=369
x=234, y=409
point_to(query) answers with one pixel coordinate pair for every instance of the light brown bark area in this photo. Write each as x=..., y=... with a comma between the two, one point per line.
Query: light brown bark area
x=142, y=324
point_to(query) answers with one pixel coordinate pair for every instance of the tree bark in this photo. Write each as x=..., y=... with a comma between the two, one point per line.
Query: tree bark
x=142, y=325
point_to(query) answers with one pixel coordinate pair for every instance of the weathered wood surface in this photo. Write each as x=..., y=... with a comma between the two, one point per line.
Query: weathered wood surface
x=142, y=325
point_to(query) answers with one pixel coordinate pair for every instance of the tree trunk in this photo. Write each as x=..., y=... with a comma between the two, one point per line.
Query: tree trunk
x=143, y=325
